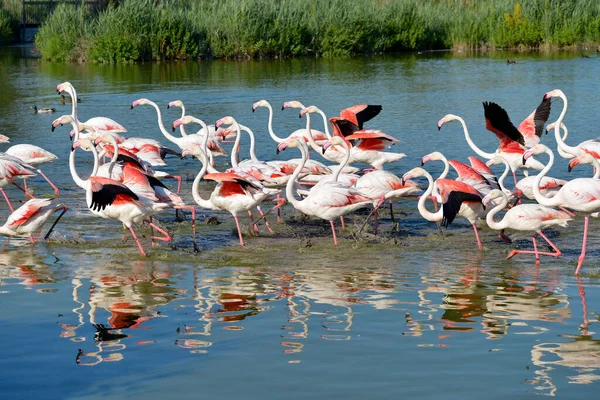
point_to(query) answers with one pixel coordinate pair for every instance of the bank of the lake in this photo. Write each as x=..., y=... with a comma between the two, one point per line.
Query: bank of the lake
x=142, y=30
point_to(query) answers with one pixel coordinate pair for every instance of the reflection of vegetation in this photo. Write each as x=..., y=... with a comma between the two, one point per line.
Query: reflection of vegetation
x=131, y=30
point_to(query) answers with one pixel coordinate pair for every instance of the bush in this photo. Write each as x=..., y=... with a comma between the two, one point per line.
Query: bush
x=62, y=37
x=8, y=27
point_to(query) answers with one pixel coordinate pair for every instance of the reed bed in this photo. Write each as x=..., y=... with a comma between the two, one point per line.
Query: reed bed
x=137, y=30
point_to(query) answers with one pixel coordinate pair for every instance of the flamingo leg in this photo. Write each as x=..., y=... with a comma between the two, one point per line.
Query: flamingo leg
x=23, y=190
x=165, y=238
x=138, y=242
x=193, y=211
x=237, y=224
x=25, y=186
x=392, y=212
x=376, y=226
x=31, y=238
x=278, y=210
x=178, y=179
x=535, y=251
x=583, y=247
x=343, y=224
x=537, y=255
x=557, y=252
x=12, y=209
x=335, y=242
x=263, y=216
x=515, y=177
x=49, y=181
x=477, y=237
x=252, y=222
x=571, y=214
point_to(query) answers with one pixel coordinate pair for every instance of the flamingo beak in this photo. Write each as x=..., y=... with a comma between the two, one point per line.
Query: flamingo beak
x=572, y=164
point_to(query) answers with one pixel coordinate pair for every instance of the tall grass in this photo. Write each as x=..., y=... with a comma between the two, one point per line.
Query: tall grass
x=134, y=30
x=9, y=22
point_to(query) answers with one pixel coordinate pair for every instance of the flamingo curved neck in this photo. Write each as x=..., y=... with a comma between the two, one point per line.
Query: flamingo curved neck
x=343, y=164
x=564, y=148
x=326, y=125
x=539, y=197
x=503, y=176
x=270, y=126
x=289, y=187
x=428, y=215
x=204, y=145
x=113, y=160
x=204, y=203
x=252, y=143
x=236, y=145
x=473, y=146
x=311, y=140
x=489, y=219
x=161, y=126
x=182, y=127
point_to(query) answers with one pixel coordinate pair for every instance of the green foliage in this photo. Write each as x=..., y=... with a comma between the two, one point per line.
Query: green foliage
x=135, y=30
x=62, y=37
x=8, y=27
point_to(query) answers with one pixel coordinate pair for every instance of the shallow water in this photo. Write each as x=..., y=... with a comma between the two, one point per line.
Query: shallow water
x=410, y=313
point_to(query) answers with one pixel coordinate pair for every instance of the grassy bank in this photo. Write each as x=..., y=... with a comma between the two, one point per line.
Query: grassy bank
x=134, y=30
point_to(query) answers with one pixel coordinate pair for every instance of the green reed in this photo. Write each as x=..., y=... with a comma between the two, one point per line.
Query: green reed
x=133, y=30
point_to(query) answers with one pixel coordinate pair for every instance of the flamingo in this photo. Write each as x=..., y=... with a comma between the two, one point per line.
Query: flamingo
x=559, y=148
x=526, y=217
x=179, y=103
x=458, y=198
x=4, y=139
x=30, y=218
x=213, y=145
x=34, y=156
x=370, y=146
x=581, y=194
x=328, y=201
x=100, y=123
x=591, y=146
x=233, y=192
x=509, y=149
x=296, y=133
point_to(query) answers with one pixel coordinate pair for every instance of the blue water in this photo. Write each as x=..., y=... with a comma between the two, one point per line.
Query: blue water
x=416, y=315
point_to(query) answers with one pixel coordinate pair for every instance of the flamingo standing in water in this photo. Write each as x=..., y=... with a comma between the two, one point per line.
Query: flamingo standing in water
x=30, y=218
x=328, y=201
x=34, y=156
x=526, y=217
x=581, y=194
x=458, y=198
x=512, y=139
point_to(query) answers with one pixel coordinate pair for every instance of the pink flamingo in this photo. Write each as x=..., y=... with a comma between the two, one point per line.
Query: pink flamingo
x=581, y=194
x=458, y=198
x=30, y=218
x=526, y=217
x=511, y=140
x=328, y=201
x=297, y=133
x=34, y=156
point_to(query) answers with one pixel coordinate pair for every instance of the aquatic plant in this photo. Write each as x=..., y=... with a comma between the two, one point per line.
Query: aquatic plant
x=8, y=27
x=63, y=36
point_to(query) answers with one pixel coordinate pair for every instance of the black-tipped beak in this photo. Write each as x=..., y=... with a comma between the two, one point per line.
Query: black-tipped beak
x=72, y=148
x=282, y=108
x=570, y=168
x=439, y=128
x=403, y=182
x=277, y=151
x=253, y=109
x=53, y=127
x=323, y=149
x=173, y=127
x=168, y=106
x=300, y=116
x=422, y=163
x=524, y=160
x=132, y=107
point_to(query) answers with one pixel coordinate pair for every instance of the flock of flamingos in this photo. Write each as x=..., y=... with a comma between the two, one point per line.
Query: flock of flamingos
x=129, y=189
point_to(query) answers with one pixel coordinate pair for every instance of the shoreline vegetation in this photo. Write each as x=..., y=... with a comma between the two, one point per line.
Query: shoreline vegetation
x=143, y=30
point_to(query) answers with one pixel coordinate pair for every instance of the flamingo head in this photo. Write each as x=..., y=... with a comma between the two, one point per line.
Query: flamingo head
x=413, y=173
x=435, y=156
x=85, y=144
x=445, y=119
x=335, y=141
x=293, y=142
x=261, y=103
x=104, y=138
x=554, y=93
x=188, y=119
x=496, y=160
x=229, y=120
x=535, y=150
x=292, y=104
x=63, y=87
x=176, y=103
x=581, y=159
x=226, y=133
x=308, y=110
x=139, y=102
x=193, y=149
x=494, y=194
x=4, y=139
x=65, y=119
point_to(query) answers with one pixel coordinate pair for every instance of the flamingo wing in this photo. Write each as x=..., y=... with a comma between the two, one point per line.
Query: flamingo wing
x=335, y=194
x=484, y=170
x=498, y=122
x=24, y=213
x=533, y=126
x=106, y=191
x=231, y=177
x=360, y=113
x=106, y=124
x=454, y=194
x=343, y=127
x=470, y=176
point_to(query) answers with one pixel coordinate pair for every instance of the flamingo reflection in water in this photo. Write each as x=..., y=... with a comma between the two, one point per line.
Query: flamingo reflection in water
x=581, y=354
x=123, y=293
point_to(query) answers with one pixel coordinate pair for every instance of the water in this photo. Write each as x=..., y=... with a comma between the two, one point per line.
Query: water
x=413, y=314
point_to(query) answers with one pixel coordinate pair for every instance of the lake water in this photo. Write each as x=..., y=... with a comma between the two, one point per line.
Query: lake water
x=411, y=315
